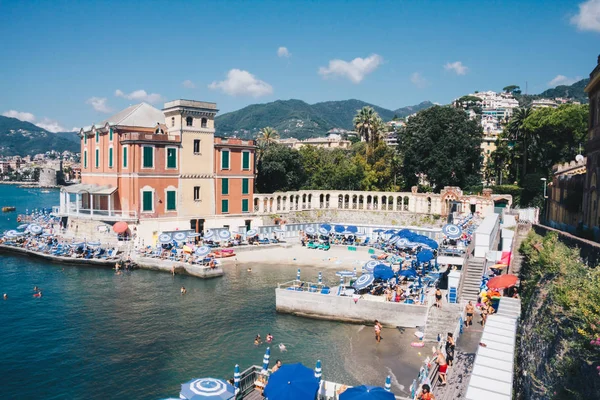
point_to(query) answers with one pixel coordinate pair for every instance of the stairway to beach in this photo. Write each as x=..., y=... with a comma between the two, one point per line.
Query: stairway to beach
x=441, y=321
x=458, y=378
x=472, y=281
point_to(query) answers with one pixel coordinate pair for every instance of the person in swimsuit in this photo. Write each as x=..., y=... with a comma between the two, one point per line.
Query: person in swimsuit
x=469, y=309
x=269, y=338
x=438, y=298
x=450, y=346
x=183, y=290
x=276, y=366
x=377, y=328
x=426, y=393
x=257, y=340
x=441, y=360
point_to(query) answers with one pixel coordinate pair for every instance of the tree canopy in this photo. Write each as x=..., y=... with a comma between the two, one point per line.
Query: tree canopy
x=442, y=145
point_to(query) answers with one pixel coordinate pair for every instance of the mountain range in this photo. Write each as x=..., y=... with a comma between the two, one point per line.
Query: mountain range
x=296, y=118
x=22, y=138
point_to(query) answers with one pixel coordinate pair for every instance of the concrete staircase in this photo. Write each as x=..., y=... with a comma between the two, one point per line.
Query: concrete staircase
x=469, y=289
x=458, y=378
x=441, y=321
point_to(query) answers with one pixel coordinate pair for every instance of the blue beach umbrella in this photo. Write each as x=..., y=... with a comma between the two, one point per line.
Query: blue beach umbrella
x=394, y=239
x=292, y=381
x=251, y=232
x=325, y=227
x=363, y=281
x=310, y=230
x=236, y=377
x=390, y=232
x=339, y=228
x=452, y=231
x=378, y=230
x=318, y=371
x=388, y=384
x=164, y=238
x=202, y=251
x=224, y=235
x=408, y=273
x=179, y=236
x=402, y=242
x=424, y=256
x=383, y=272
x=265, y=366
x=370, y=265
x=365, y=392
x=351, y=229
x=207, y=389
x=323, y=231
x=209, y=235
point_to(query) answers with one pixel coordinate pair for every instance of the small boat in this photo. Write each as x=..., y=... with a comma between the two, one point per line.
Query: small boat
x=8, y=209
x=45, y=191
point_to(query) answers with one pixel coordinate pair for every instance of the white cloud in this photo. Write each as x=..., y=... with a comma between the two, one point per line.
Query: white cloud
x=588, y=18
x=563, y=80
x=75, y=129
x=99, y=104
x=23, y=116
x=46, y=123
x=417, y=79
x=188, y=84
x=457, y=67
x=139, y=95
x=355, y=70
x=283, y=52
x=242, y=83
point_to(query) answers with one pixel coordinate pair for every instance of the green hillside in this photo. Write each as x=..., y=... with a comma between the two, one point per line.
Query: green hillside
x=295, y=118
x=574, y=92
x=22, y=138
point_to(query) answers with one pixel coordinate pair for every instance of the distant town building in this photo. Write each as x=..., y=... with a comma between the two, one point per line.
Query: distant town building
x=544, y=103
x=333, y=141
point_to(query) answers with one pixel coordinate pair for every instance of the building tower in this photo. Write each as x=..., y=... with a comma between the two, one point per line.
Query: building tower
x=591, y=212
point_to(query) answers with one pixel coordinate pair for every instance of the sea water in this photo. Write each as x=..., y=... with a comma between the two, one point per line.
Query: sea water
x=98, y=335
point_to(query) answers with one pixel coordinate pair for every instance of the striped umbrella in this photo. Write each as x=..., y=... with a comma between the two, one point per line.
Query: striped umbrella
x=320, y=278
x=179, y=236
x=388, y=384
x=236, y=377
x=452, y=231
x=22, y=227
x=370, y=265
x=394, y=239
x=265, y=366
x=251, y=232
x=209, y=234
x=310, y=230
x=11, y=233
x=402, y=242
x=202, y=251
x=35, y=229
x=323, y=231
x=363, y=281
x=298, y=275
x=164, y=238
x=224, y=235
x=208, y=389
x=318, y=370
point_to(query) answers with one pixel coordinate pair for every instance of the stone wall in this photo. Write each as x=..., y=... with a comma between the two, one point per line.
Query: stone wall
x=343, y=308
x=590, y=251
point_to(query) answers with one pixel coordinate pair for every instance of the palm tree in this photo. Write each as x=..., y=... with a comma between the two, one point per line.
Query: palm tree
x=516, y=131
x=365, y=123
x=266, y=137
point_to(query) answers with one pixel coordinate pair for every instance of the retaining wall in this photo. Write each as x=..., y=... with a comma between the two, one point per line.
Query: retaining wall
x=589, y=251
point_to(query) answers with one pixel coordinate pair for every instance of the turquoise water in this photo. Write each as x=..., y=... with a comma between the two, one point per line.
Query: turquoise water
x=98, y=335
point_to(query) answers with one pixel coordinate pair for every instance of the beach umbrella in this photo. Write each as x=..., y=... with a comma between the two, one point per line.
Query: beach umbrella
x=120, y=227
x=11, y=233
x=390, y=232
x=378, y=230
x=365, y=392
x=207, y=389
x=370, y=265
x=326, y=227
x=252, y=232
x=164, y=238
x=360, y=234
x=22, y=227
x=339, y=229
x=298, y=274
x=345, y=273
x=318, y=371
x=209, y=234
x=265, y=366
x=363, y=281
x=292, y=381
x=408, y=273
x=179, y=236
x=402, y=242
x=394, y=239
x=502, y=281
x=424, y=256
x=202, y=251
x=323, y=231
x=224, y=235
x=93, y=244
x=351, y=229
x=405, y=233
x=320, y=279
x=236, y=377
x=35, y=229
x=383, y=272
x=388, y=384
x=310, y=230
x=452, y=231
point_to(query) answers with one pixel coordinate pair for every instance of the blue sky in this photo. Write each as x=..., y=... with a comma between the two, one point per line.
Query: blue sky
x=68, y=64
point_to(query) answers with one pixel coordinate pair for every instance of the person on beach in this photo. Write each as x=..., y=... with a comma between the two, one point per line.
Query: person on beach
x=469, y=310
x=438, y=298
x=377, y=328
x=276, y=366
x=183, y=290
x=450, y=346
x=425, y=393
x=443, y=368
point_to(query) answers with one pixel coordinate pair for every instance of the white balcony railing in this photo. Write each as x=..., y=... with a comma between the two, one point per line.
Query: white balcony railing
x=72, y=211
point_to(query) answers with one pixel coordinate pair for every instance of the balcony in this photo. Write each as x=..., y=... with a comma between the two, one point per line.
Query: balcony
x=149, y=137
x=85, y=213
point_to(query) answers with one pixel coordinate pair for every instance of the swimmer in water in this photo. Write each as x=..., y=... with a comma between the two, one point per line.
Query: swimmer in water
x=5, y=296
x=269, y=338
x=257, y=340
x=35, y=289
x=183, y=290
x=282, y=347
x=249, y=270
x=38, y=294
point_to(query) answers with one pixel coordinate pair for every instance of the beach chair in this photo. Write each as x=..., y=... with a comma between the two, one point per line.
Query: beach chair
x=311, y=245
x=325, y=290
x=366, y=242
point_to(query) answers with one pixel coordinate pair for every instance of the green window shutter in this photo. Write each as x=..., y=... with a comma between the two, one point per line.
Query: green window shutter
x=110, y=157
x=224, y=206
x=244, y=205
x=84, y=138
x=147, y=201
x=85, y=159
x=245, y=160
x=171, y=200
x=125, y=157
x=245, y=185
x=97, y=161
x=148, y=157
x=225, y=186
x=171, y=158
x=97, y=137
x=225, y=159
x=110, y=134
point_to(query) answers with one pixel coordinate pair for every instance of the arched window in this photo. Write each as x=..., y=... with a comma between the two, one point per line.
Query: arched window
x=189, y=121
x=203, y=122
